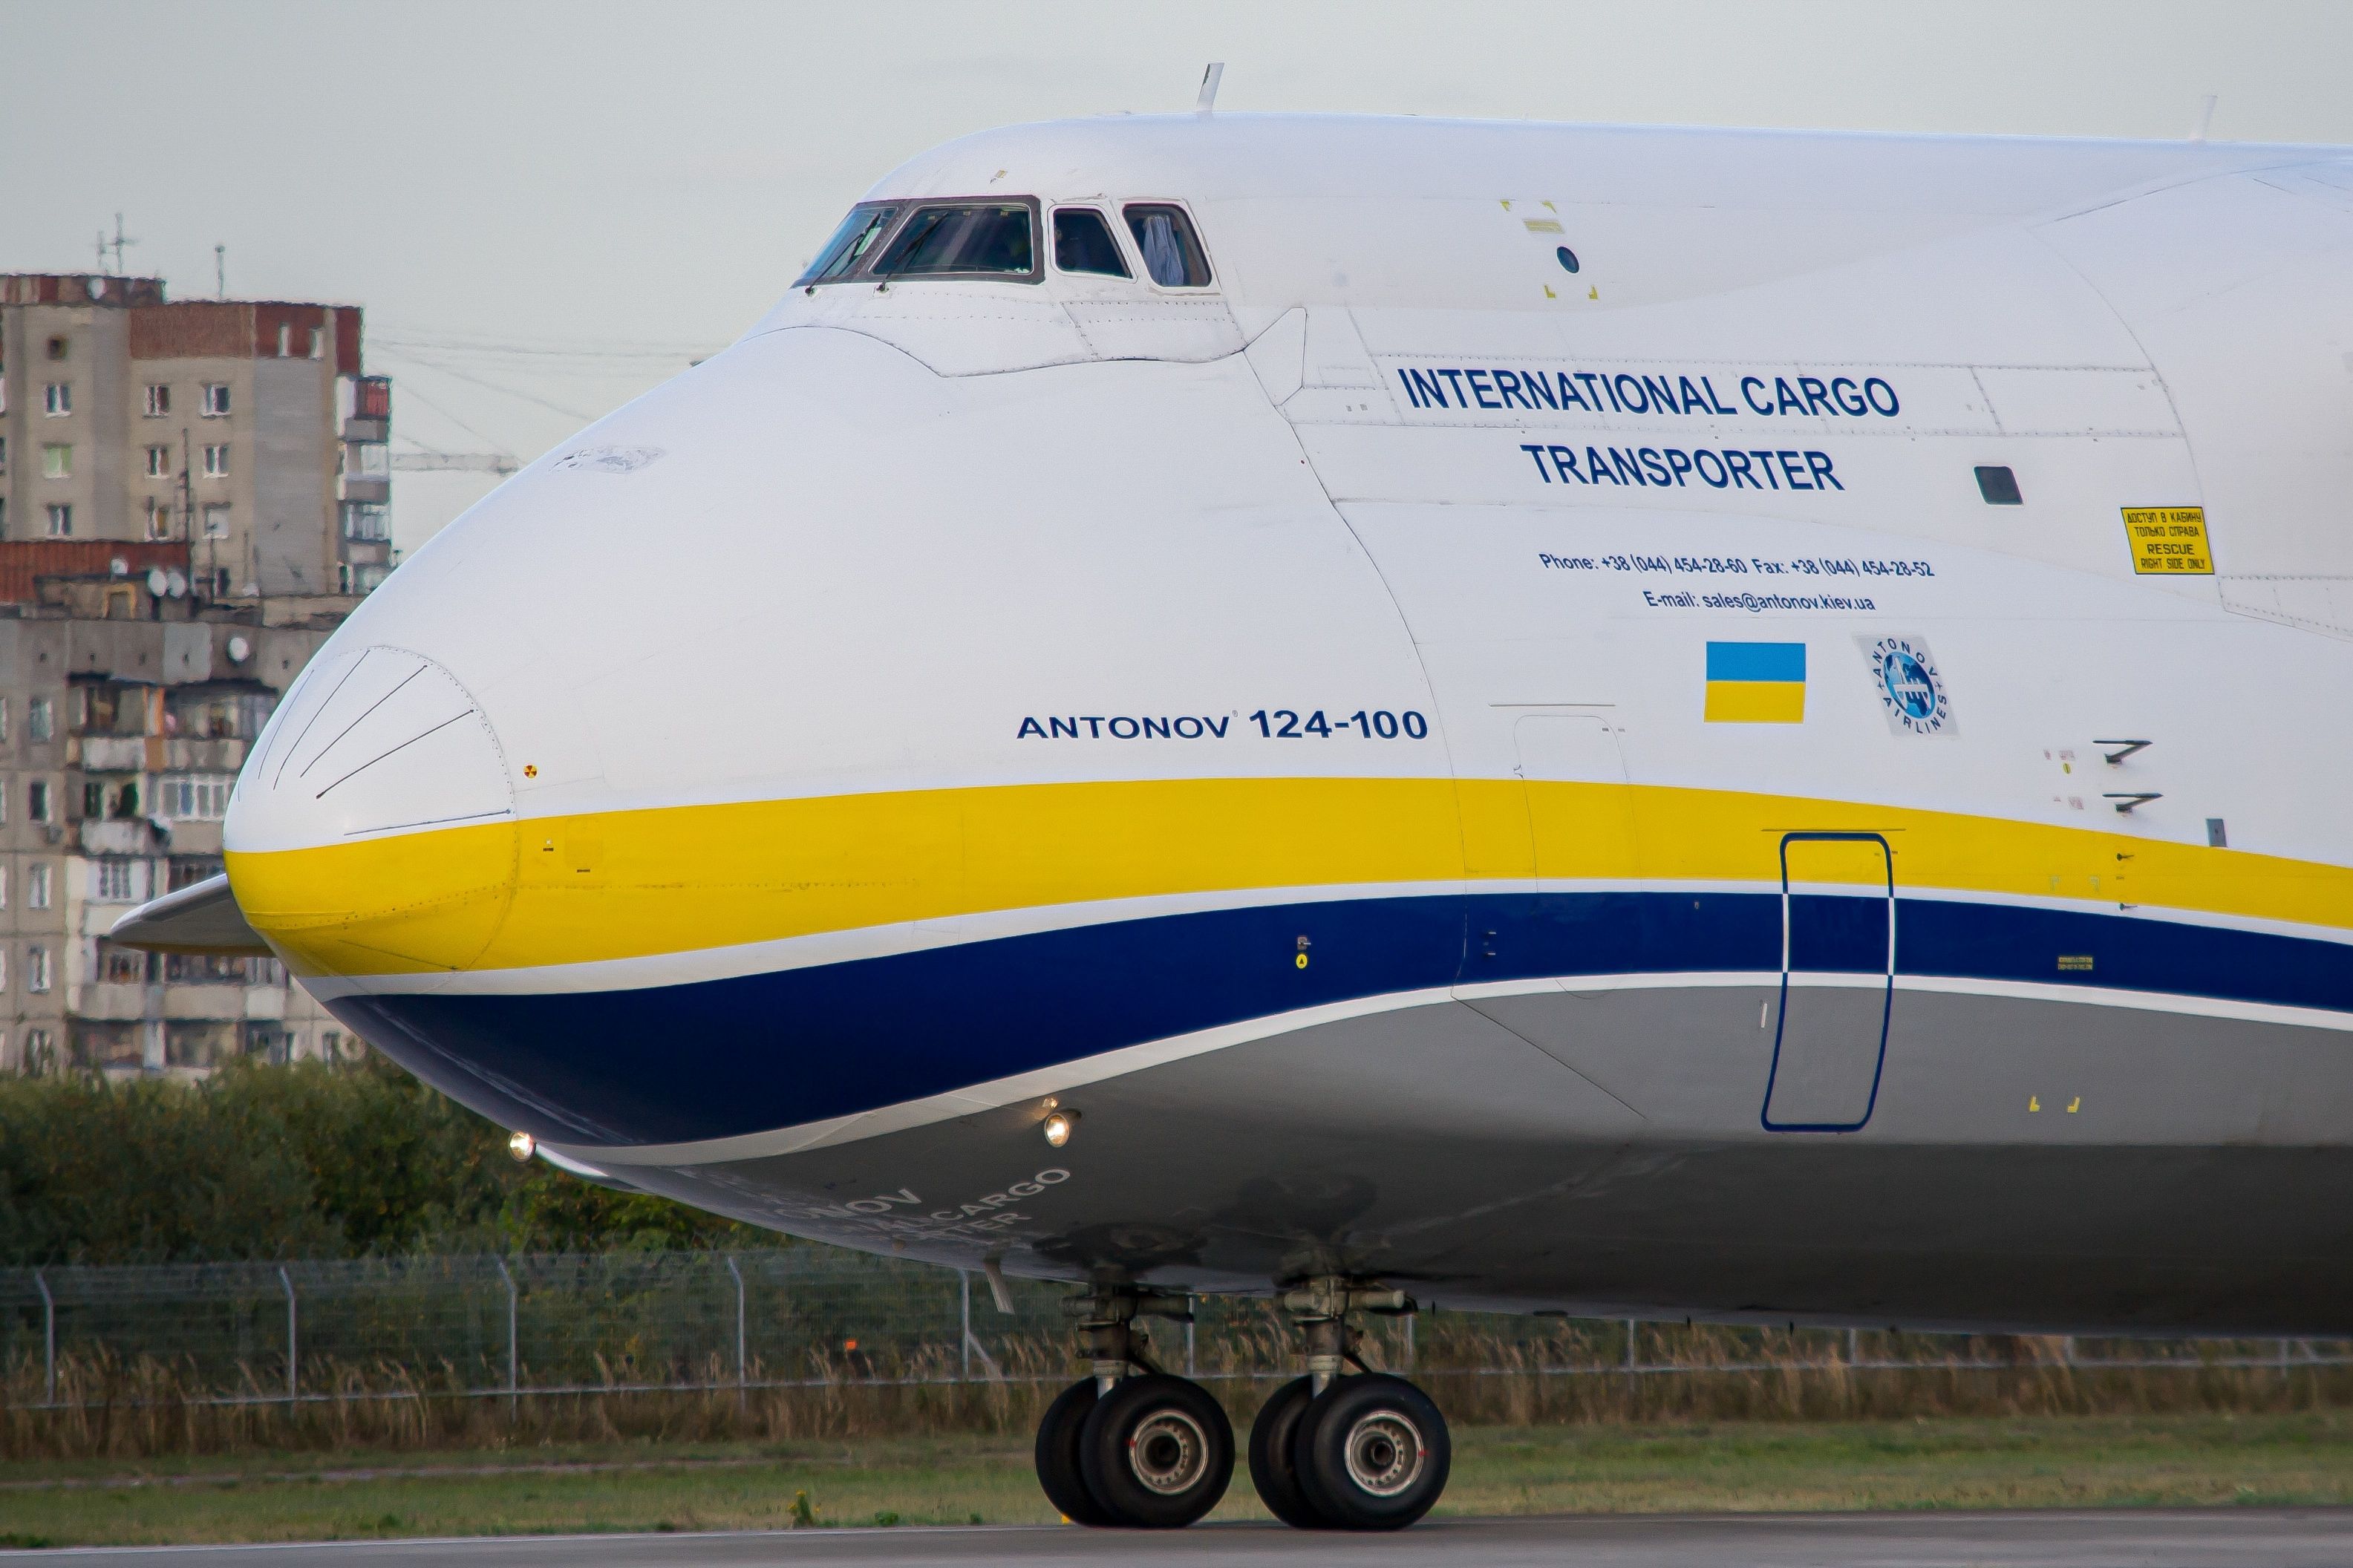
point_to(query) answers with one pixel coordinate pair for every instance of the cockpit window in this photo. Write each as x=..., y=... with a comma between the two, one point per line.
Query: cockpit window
x=850, y=244
x=992, y=239
x=1172, y=252
x=1083, y=243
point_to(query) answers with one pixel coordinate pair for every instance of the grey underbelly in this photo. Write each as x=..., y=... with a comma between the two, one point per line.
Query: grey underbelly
x=2019, y=1163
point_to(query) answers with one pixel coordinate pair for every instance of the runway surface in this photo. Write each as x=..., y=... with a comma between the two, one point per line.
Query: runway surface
x=2237, y=1538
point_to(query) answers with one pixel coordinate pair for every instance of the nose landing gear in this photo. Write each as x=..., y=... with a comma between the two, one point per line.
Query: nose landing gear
x=1327, y=1451
x=1150, y=1452
x=1335, y=1452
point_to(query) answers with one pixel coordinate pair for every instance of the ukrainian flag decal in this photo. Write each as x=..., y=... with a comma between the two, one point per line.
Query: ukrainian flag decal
x=1756, y=683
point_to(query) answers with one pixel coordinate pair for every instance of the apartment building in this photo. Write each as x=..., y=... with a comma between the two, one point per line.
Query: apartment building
x=241, y=428
x=119, y=738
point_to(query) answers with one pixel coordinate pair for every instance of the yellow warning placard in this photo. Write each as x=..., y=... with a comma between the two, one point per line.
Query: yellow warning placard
x=2169, y=539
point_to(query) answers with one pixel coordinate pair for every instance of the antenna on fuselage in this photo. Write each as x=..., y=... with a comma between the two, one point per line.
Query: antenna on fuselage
x=1209, y=79
x=2205, y=118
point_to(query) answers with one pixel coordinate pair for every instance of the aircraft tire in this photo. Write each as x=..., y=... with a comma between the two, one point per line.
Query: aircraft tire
x=1058, y=1456
x=1373, y=1453
x=1157, y=1452
x=1273, y=1450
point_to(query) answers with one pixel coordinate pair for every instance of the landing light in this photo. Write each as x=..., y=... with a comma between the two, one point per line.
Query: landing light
x=522, y=1146
x=1058, y=1127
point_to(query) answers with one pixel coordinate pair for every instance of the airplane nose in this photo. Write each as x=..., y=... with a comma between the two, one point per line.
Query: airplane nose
x=371, y=830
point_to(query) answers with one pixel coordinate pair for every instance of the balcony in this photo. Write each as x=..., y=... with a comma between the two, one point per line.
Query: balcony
x=119, y=837
x=367, y=429
x=115, y=753
x=374, y=490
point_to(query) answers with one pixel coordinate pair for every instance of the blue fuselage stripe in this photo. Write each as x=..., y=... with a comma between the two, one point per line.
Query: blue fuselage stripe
x=718, y=1058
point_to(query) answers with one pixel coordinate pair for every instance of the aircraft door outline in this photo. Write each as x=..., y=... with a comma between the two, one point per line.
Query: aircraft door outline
x=1803, y=1060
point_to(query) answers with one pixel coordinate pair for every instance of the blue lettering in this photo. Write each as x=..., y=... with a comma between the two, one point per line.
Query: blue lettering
x=1475, y=377
x=1192, y=734
x=1659, y=395
x=1511, y=393
x=1454, y=380
x=1094, y=725
x=1786, y=399
x=1624, y=389
x=1598, y=470
x=1692, y=399
x=1588, y=377
x=1750, y=398
x=1217, y=727
x=1129, y=733
x=1765, y=467
x=1564, y=458
x=1819, y=464
x=1030, y=727
x=1718, y=479
x=1798, y=481
x=1155, y=727
x=1063, y=728
x=1538, y=453
x=1712, y=398
x=1850, y=401
x=1540, y=386
x=1873, y=396
x=1737, y=464
x=1629, y=466
x=1568, y=394
x=1422, y=390
x=1680, y=461
x=1657, y=470
x=1818, y=396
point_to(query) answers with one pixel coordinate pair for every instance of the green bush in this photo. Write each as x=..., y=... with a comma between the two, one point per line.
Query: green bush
x=305, y=1160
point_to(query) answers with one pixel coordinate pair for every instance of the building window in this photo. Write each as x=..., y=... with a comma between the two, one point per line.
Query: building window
x=215, y=399
x=318, y=342
x=375, y=459
x=159, y=400
x=4, y=735
x=57, y=461
x=37, y=886
x=159, y=519
x=196, y=797
x=57, y=348
x=60, y=520
x=159, y=462
x=4, y=969
x=121, y=965
x=57, y=399
x=4, y=883
x=40, y=718
x=40, y=1052
x=4, y=449
x=370, y=578
x=36, y=969
x=285, y=338
x=217, y=462
x=114, y=882
x=36, y=800
x=216, y=527
x=365, y=521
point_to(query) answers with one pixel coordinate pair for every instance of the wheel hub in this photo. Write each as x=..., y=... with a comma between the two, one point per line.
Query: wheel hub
x=1168, y=1452
x=1384, y=1453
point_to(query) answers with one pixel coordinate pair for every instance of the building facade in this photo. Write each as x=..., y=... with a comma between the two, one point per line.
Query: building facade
x=120, y=738
x=244, y=429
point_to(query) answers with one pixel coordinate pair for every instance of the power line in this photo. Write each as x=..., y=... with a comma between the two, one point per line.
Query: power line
x=493, y=386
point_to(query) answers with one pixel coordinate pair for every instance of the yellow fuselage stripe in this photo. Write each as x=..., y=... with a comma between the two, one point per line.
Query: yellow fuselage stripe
x=631, y=884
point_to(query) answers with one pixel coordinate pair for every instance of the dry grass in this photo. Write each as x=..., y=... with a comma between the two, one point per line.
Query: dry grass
x=144, y=1409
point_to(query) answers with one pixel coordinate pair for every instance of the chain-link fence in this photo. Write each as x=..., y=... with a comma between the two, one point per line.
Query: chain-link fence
x=571, y=1324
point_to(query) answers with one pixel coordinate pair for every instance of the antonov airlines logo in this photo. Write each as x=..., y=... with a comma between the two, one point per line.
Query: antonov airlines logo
x=1756, y=683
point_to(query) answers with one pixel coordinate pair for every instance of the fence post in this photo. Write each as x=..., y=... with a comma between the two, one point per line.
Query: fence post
x=1410, y=1318
x=742, y=1383
x=48, y=1339
x=964, y=1307
x=293, y=1351
x=1192, y=1305
x=511, y=1295
x=1853, y=1347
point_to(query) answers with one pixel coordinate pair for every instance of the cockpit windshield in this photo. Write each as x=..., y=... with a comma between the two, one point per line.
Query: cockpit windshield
x=996, y=239
x=850, y=244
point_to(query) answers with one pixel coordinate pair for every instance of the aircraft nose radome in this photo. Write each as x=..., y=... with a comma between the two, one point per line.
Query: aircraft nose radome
x=372, y=830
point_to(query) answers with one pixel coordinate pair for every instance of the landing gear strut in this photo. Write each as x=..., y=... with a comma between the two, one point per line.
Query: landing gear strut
x=1130, y=1446
x=1148, y=1452
x=1335, y=1452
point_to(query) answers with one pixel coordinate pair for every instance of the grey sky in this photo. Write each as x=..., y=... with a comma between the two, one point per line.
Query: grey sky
x=547, y=207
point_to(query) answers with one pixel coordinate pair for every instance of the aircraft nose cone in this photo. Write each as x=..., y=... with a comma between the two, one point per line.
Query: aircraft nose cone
x=372, y=830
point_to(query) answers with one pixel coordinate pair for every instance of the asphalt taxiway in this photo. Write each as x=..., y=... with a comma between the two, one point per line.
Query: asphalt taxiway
x=2233, y=1538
